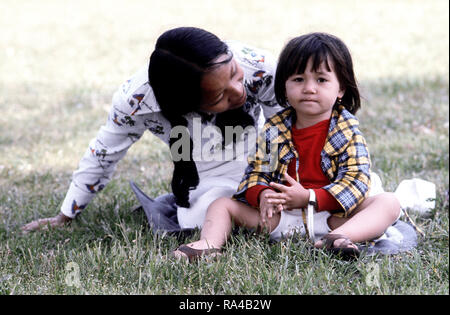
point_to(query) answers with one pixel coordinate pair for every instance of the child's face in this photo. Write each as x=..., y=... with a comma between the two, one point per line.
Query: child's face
x=313, y=94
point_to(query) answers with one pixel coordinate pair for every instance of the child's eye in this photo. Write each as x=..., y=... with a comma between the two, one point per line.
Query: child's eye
x=321, y=80
x=297, y=79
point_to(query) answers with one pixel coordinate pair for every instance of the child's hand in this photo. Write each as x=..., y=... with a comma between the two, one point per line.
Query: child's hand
x=266, y=209
x=289, y=197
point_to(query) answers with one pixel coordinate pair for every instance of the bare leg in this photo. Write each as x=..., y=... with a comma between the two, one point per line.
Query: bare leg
x=218, y=222
x=372, y=217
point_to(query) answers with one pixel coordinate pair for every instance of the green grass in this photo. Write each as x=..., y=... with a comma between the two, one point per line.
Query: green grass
x=60, y=63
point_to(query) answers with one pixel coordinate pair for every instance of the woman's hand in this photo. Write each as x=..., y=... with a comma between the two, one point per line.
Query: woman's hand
x=43, y=224
x=288, y=197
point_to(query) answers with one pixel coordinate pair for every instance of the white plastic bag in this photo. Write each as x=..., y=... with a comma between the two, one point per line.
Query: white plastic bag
x=416, y=195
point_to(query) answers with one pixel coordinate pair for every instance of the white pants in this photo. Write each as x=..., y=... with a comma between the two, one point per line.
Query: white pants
x=292, y=221
x=213, y=188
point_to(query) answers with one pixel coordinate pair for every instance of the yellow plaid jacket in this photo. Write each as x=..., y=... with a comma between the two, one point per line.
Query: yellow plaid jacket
x=345, y=159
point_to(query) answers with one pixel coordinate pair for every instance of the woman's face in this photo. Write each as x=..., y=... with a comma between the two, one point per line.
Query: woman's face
x=223, y=87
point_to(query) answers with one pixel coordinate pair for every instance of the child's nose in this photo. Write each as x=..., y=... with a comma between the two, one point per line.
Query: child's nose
x=309, y=87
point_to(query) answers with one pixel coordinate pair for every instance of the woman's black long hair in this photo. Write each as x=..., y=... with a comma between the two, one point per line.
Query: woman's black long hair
x=177, y=65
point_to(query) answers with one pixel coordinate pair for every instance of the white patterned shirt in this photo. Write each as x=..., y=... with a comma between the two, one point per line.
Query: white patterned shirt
x=135, y=110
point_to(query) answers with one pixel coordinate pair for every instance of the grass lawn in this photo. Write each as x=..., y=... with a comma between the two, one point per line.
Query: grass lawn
x=60, y=63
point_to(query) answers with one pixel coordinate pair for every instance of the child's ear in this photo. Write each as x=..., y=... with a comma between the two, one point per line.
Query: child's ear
x=341, y=93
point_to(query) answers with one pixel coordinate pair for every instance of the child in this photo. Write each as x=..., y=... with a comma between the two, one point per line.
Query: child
x=319, y=143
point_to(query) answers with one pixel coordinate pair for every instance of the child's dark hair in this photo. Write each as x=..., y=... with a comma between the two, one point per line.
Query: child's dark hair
x=321, y=47
x=177, y=65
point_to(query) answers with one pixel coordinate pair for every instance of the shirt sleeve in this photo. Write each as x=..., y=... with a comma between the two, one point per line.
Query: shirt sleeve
x=259, y=67
x=262, y=165
x=352, y=182
x=98, y=164
x=268, y=100
x=252, y=194
x=326, y=201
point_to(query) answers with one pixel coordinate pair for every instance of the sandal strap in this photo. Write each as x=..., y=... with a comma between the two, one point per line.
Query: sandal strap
x=331, y=238
x=193, y=253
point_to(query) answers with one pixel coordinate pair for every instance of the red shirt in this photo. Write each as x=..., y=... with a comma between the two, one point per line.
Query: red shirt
x=309, y=143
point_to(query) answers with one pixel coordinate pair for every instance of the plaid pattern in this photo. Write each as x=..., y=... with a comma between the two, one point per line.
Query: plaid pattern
x=345, y=158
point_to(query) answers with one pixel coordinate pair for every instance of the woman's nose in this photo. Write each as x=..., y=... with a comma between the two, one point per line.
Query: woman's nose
x=236, y=89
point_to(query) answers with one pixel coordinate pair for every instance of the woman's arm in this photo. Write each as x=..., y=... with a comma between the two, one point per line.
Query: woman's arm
x=98, y=164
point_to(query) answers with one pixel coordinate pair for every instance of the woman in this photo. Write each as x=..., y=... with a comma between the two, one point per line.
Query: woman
x=194, y=89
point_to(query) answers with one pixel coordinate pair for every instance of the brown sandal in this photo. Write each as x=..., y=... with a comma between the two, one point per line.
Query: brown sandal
x=344, y=251
x=193, y=254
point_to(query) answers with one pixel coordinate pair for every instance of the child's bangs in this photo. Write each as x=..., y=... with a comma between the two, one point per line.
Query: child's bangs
x=318, y=56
